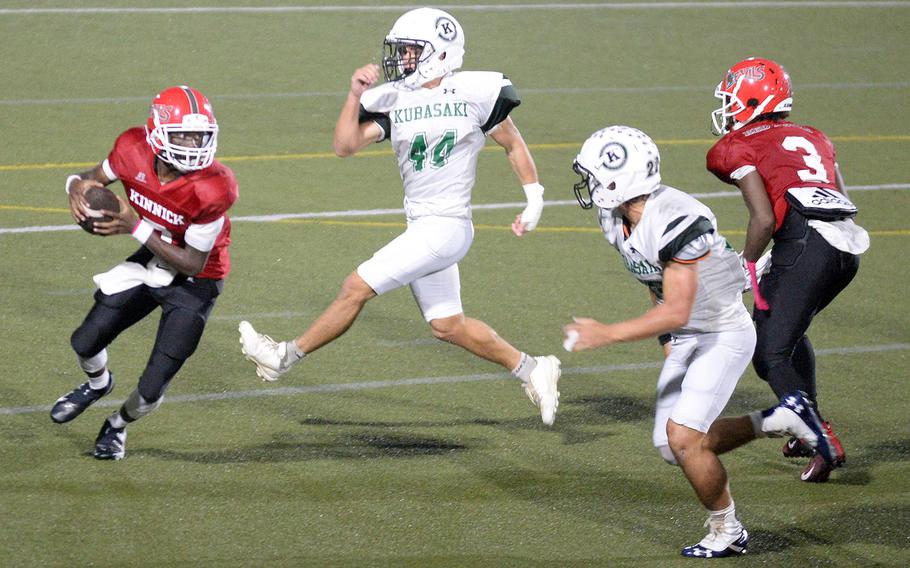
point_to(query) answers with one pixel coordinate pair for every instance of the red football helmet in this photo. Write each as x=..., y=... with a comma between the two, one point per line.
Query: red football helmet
x=182, y=110
x=751, y=88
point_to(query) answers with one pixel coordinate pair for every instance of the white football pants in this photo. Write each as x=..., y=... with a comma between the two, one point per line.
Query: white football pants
x=425, y=257
x=699, y=376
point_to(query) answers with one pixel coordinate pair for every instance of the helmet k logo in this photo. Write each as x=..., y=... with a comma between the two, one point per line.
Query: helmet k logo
x=446, y=29
x=614, y=155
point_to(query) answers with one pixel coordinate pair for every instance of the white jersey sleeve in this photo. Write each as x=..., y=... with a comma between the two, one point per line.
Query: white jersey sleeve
x=203, y=236
x=375, y=105
x=684, y=238
x=493, y=97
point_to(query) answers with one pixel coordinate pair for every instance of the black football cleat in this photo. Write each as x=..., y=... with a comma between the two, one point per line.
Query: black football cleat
x=74, y=403
x=110, y=443
x=796, y=448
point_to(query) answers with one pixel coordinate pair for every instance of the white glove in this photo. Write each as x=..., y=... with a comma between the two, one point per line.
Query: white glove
x=531, y=214
x=762, y=267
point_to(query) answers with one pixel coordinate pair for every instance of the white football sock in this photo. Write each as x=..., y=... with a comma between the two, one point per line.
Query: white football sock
x=526, y=366
x=91, y=367
x=727, y=516
x=101, y=381
x=292, y=354
x=94, y=363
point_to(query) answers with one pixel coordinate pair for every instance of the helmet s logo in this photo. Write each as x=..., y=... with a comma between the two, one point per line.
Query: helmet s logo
x=446, y=29
x=614, y=155
x=754, y=73
x=162, y=112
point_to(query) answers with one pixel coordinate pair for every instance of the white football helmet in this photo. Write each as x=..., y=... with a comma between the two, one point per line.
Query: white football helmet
x=616, y=164
x=424, y=44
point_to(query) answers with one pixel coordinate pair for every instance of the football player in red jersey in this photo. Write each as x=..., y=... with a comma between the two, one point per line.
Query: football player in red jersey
x=796, y=196
x=177, y=200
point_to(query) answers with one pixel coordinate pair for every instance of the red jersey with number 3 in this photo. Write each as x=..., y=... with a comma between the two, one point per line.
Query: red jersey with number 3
x=785, y=155
x=195, y=198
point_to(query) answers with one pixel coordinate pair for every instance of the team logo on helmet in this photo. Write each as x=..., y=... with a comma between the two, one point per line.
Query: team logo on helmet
x=754, y=73
x=614, y=155
x=162, y=112
x=446, y=29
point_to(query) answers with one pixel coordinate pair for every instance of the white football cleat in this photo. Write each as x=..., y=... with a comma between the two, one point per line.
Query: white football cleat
x=722, y=540
x=267, y=354
x=541, y=388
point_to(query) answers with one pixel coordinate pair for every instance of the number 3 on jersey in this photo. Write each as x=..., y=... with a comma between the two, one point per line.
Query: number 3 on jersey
x=438, y=155
x=813, y=160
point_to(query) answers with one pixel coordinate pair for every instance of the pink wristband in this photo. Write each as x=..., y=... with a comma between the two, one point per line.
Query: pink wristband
x=142, y=231
x=760, y=302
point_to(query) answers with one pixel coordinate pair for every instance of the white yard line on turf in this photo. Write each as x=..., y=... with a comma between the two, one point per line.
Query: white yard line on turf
x=524, y=91
x=379, y=212
x=451, y=379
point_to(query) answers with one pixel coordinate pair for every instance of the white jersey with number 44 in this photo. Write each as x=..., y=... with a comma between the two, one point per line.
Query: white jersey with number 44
x=437, y=135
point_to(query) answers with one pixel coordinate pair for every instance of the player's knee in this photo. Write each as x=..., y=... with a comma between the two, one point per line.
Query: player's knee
x=763, y=361
x=769, y=353
x=84, y=341
x=667, y=454
x=682, y=439
x=355, y=290
x=447, y=329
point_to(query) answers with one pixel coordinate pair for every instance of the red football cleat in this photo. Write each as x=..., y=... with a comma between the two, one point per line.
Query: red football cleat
x=839, y=454
x=817, y=471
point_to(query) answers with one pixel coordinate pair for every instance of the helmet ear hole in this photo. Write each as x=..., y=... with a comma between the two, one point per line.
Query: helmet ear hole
x=612, y=186
x=753, y=102
x=442, y=56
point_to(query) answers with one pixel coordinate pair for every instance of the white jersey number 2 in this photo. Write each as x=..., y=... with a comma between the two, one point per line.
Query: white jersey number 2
x=813, y=160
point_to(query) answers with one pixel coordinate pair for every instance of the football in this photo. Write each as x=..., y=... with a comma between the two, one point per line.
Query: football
x=98, y=198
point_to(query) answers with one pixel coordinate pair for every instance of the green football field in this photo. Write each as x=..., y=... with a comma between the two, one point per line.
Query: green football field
x=389, y=448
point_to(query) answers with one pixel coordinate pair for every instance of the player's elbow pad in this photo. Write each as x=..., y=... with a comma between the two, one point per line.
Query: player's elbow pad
x=531, y=214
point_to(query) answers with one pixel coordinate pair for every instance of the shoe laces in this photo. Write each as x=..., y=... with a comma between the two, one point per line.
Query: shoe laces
x=718, y=527
x=531, y=392
x=269, y=346
x=267, y=341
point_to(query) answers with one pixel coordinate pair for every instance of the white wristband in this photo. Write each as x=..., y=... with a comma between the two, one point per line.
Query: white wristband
x=142, y=231
x=531, y=215
x=69, y=181
x=533, y=190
